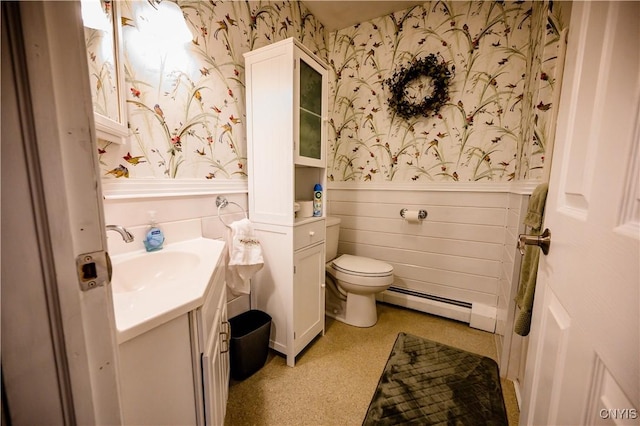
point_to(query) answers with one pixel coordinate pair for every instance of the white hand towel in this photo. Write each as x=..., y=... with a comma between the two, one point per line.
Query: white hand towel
x=244, y=258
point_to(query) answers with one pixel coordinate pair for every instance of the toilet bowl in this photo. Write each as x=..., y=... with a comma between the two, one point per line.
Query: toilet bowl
x=353, y=282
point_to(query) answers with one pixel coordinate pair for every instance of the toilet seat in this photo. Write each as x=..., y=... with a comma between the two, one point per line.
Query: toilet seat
x=361, y=266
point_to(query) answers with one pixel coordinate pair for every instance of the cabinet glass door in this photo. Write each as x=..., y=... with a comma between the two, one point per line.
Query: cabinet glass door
x=311, y=99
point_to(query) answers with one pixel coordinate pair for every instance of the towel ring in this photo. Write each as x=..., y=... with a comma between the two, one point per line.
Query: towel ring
x=221, y=203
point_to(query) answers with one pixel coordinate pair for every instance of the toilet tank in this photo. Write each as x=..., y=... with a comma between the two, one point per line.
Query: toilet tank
x=333, y=230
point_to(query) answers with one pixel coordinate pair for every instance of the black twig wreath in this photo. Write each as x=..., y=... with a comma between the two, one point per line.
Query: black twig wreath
x=430, y=67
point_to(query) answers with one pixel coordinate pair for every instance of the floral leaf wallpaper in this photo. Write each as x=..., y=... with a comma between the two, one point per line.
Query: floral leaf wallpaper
x=186, y=105
x=496, y=53
x=541, y=87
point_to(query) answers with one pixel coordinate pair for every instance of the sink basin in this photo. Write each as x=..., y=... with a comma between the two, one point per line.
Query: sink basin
x=152, y=288
x=152, y=269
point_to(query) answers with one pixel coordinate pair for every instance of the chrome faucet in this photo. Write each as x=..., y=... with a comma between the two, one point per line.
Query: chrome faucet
x=126, y=235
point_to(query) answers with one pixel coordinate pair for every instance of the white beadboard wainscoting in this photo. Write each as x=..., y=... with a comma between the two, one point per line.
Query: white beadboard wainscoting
x=177, y=203
x=458, y=263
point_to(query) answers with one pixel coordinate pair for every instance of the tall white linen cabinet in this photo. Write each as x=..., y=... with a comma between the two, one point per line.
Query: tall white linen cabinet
x=287, y=95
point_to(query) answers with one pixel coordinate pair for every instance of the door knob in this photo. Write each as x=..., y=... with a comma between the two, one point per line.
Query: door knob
x=543, y=241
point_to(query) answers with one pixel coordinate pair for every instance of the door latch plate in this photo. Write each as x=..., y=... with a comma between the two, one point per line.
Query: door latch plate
x=93, y=270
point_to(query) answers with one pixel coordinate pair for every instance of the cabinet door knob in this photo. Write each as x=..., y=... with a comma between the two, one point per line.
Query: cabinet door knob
x=312, y=233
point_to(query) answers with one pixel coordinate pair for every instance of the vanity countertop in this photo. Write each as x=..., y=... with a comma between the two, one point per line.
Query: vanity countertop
x=138, y=310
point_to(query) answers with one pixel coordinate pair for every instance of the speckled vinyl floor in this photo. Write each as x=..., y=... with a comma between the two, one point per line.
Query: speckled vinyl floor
x=335, y=376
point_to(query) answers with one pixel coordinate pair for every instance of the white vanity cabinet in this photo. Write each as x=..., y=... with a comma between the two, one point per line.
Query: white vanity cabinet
x=287, y=96
x=178, y=371
x=214, y=356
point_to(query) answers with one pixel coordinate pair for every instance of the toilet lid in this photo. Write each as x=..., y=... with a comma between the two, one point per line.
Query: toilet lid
x=363, y=266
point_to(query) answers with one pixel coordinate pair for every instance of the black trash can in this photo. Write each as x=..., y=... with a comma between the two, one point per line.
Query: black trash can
x=249, y=343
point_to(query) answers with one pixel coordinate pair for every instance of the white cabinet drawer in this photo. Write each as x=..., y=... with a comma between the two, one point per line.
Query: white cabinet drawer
x=308, y=234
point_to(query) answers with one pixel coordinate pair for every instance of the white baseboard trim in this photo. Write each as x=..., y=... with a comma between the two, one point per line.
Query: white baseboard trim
x=483, y=317
x=518, y=391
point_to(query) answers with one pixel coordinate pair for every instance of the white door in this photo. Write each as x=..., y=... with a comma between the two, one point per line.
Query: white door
x=58, y=342
x=584, y=354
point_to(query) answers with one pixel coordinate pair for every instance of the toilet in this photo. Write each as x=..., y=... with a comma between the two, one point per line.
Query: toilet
x=352, y=282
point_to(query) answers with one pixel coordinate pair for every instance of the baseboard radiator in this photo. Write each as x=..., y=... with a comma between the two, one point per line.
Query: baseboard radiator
x=477, y=315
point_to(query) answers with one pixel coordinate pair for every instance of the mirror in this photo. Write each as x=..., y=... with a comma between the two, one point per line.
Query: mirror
x=103, y=34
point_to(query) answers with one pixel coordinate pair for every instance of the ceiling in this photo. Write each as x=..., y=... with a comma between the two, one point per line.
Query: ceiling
x=336, y=15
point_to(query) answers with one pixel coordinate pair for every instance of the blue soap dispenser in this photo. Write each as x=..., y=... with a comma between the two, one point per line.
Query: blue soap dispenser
x=154, y=238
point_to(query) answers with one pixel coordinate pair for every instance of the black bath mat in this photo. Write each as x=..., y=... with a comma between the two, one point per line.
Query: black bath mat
x=429, y=383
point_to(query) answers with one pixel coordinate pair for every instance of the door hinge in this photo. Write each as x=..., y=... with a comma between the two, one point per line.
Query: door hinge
x=294, y=269
x=94, y=270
